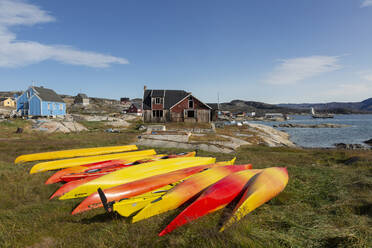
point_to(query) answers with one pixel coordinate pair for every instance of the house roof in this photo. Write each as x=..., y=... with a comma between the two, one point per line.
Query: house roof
x=158, y=93
x=214, y=106
x=47, y=94
x=5, y=98
x=171, y=97
x=137, y=105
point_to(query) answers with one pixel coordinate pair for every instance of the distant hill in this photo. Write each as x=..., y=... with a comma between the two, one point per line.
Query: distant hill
x=9, y=93
x=334, y=107
x=259, y=107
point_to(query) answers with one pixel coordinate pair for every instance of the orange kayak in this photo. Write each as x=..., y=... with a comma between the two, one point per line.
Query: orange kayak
x=67, y=187
x=141, y=186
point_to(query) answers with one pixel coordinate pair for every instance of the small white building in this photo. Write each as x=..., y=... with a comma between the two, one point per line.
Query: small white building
x=82, y=99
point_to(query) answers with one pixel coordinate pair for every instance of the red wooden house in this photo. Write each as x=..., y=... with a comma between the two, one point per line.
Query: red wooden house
x=135, y=108
x=174, y=106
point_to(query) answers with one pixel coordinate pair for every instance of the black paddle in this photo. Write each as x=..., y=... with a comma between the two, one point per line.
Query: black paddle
x=106, y=205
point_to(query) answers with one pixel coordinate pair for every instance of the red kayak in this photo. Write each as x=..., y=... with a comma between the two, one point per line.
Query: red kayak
x=139, y=187
x=93, y=173
x=96, y=167
x=262, y=188
x=215, y=197
x=57, y=177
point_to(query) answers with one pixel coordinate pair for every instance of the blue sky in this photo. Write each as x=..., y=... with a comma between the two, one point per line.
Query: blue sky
x=260, y=50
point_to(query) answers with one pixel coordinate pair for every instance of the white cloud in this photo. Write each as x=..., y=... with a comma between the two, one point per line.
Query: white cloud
x=365, y=75
x=351, y=91
x=15, y=53
x=292, y=71
x=366, y=3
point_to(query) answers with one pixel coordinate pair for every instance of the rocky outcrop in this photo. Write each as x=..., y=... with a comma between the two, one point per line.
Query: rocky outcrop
x=349, y=146
x=270, y=136
x=51, y=126
x=182, y=141
x=217, y=142
x=322, y=125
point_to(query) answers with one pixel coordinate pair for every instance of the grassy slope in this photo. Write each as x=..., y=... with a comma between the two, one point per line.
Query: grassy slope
x=326, y=202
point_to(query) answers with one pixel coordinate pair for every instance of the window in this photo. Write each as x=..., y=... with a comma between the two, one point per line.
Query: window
x=60, y=106
x=54, y=106
x=157, y=113
x=28, y=94
x=48, y=106
x=190, y=113
x=191, y=103
x=158, y=100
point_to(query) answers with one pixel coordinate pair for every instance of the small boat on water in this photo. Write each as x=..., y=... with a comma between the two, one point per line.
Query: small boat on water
x=322, y=116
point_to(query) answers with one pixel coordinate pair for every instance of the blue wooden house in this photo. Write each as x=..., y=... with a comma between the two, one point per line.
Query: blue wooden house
x=40, y=101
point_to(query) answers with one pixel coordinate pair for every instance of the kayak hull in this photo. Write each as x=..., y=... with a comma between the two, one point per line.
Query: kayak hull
x=67, y=187
x=262, y=188
x=105, y=170
x=73, y=153
x=66, y=163
x=57, y=177
x=188, y=189
x=215, y=197
x=140, y=186
x=138, y=172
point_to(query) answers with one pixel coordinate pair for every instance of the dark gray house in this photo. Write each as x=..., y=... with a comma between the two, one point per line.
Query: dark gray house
x=174, y=106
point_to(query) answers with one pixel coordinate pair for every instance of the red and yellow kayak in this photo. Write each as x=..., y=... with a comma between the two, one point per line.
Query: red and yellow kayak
x=67, y=187
x=134, y=173
x=215, y=197
x=139, y=187
x=188, y=189
x=95, y=169
x=56, y=177
x=262, y=188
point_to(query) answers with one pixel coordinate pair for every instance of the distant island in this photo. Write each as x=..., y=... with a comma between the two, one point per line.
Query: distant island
x=363, y=107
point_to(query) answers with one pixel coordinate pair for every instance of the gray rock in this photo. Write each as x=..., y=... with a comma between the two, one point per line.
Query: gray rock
x=368, y=142
x=322, y=125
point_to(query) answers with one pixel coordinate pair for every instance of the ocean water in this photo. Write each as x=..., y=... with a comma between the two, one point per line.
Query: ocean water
x=360, y=130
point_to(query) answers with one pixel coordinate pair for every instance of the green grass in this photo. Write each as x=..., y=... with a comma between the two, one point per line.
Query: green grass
x=326, y=203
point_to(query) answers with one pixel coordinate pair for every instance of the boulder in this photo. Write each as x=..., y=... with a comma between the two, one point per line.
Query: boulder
x=368, y=142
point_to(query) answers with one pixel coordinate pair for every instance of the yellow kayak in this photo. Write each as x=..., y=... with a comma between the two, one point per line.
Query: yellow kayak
x=73, y=153
x=129, y=206
x=66, y=163
x=133, y=173
x=260, y=189
x=187, y=189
